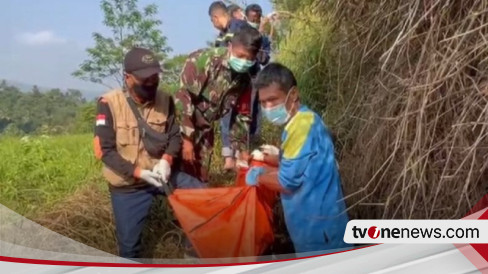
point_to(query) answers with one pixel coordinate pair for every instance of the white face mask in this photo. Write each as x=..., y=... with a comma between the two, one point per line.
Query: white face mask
x=278, y=114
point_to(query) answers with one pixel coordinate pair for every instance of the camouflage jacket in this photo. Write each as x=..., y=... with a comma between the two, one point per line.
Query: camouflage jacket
x=225, y=36
x=208, y=90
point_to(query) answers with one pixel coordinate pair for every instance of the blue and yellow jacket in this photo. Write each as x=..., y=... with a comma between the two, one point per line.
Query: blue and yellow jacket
x=314, y=208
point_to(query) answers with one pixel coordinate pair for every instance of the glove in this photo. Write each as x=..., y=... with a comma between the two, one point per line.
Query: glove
x=151, y=178
x=242, y=159
x=257, y=155
x=253, y=175
x=270, y=149
x=242, y=164
x=163, y=168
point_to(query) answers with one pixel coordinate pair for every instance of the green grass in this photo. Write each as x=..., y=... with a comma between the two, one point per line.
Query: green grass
x=38, y=172
x=57, y=182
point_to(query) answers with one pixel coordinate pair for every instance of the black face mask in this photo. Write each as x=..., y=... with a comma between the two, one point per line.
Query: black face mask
x=145, y=92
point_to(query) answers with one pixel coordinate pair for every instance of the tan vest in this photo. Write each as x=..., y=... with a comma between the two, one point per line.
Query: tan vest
x=128, y=142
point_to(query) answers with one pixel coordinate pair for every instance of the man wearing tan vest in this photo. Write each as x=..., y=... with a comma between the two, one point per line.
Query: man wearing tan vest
x=138, y=141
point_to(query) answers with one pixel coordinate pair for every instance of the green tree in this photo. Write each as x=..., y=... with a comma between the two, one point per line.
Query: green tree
x=12, y=130
x=49, y=112
x=129, y=27
x=3, y=84
x=172, y=69
x=36, y=92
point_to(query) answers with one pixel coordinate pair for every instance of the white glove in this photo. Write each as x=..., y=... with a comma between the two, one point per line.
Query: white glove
x=270, y=150
x=151, y=178
x=163, y=169
x=257, y=155
x=242, y=164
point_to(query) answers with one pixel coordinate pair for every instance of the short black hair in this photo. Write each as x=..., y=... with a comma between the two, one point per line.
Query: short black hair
x=254, y=7
x=217, y=5
x=276, y=73
x=248, y=37
x=233, y=8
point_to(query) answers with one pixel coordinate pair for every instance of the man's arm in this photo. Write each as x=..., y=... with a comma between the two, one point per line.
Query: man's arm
x=192, y=79
x=220, y=41
x=297, y=152
x=234, y=26
x=272, y=160
x=264, y=54
x=241, y=124
x=239, y=132
x=174, y=136
x=105, y=143
x=270, y=180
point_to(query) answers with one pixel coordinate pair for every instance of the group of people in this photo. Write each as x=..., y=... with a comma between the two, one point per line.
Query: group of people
x=146, y=138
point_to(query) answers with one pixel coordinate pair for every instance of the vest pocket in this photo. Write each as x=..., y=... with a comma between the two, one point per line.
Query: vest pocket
x=158, y=125
x=127, y=135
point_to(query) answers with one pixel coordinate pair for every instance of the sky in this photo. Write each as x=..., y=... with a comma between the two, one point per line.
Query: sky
x=43, y=42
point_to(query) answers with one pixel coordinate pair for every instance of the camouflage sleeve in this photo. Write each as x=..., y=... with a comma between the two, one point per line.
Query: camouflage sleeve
x=239, y=132
x=264, y=54
x=240, y=129
x=174, y=134
x=192, y=79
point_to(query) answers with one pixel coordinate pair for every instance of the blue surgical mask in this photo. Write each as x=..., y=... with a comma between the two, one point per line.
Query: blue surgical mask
x=254, y=25
x=240, y=65
x=277, y=115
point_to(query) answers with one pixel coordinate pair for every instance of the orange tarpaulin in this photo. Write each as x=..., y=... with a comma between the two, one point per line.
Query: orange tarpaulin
x=228, y=221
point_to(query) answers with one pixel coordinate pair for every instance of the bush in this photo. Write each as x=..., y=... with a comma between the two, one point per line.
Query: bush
x=36, y=172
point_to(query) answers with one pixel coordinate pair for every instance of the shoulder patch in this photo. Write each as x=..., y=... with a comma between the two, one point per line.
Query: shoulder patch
x=297, y=132
x=101, y=120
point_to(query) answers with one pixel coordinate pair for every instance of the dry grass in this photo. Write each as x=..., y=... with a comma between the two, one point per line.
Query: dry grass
x=403, y=86
x=87, y=217
x=415, y=144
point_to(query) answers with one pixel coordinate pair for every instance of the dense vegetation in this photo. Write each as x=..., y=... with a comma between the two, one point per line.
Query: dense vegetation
x=39, y=171
x=402, y=84
x=35, y=112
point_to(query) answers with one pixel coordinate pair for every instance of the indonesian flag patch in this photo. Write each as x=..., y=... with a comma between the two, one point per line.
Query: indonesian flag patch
x=100, y=120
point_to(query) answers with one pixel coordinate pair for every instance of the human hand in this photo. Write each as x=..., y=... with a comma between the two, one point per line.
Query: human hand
x=150, y=177
x=163, y=168
x=252, y=175
x=270, y=150
x=257, y=155
x=188, y=151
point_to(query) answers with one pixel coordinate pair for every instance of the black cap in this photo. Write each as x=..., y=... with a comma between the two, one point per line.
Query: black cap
x=143, y=63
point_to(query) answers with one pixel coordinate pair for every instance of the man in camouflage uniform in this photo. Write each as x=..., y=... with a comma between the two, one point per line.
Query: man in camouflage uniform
x=224, y=23
x=212, y=82
x=228, y=25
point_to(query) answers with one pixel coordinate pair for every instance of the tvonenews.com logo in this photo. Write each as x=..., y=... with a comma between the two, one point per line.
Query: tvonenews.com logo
x=373, y=232
x=417, y=231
